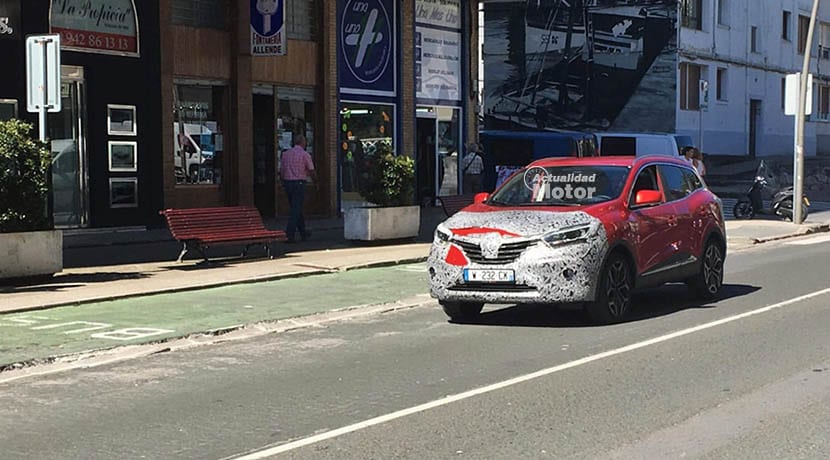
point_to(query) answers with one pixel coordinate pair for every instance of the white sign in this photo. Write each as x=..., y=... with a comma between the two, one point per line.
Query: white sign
x=791, y=94
x=268, y=28
x=441, y=13
x=437, y=64
x=43, y=72
x=703, y=94
x=96, y=26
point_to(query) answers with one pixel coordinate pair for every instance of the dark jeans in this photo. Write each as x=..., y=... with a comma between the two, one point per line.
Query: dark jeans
x=296, y=195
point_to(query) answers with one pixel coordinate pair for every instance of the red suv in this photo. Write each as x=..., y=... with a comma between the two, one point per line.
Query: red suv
x=581, y=230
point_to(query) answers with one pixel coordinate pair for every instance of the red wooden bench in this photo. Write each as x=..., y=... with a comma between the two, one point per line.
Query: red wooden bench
x=201, y=228
x=454, y=203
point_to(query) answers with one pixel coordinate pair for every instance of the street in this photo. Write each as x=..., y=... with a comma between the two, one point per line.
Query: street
x=745, y=377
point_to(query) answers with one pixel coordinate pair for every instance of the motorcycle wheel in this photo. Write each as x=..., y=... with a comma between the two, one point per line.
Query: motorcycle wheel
x=786, y=209
x=743, y=210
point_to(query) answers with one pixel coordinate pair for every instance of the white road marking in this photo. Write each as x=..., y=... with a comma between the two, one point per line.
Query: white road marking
x=289, y=446
x=812, y=240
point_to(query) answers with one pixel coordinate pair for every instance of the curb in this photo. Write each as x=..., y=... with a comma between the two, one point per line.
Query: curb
x=818, y=228
x=217, y=284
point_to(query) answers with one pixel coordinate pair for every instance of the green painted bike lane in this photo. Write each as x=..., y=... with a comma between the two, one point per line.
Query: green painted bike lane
x=30, y=336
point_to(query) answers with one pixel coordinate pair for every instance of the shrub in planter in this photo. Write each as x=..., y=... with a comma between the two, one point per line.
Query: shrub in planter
x=24, y=165
x=388, y=180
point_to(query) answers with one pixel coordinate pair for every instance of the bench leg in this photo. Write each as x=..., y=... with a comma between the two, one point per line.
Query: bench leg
x=184, y=251
x=203, y=252
x=268, y=251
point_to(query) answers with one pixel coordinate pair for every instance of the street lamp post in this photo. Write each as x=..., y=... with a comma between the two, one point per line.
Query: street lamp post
x=798, y=176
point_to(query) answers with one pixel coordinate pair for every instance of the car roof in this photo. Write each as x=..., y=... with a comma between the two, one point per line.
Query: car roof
x=533, y=134
x=609, y=161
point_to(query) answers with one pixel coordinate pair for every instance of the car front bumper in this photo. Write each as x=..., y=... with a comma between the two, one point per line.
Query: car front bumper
x=542, y=274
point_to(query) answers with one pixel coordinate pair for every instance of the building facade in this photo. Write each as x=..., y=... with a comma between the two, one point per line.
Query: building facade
x=189, y=103
x=709, y=69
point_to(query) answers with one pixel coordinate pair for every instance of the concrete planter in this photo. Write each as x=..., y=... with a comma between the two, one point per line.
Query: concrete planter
x=382, y=223
x=31, y=254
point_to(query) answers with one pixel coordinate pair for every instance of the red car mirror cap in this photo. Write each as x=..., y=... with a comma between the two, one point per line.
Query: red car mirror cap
x=647, y=197
x=481, y=197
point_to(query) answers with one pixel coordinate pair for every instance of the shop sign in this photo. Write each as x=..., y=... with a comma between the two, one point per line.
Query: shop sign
x=268, y=36
x=441, y=13
x=438, y=50
x=367, y=57
x=96, y=26
x=437, y=64
x=9, y=19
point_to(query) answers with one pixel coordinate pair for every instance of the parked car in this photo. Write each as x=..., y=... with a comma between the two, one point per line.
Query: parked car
x=584, y=231
x=638, y=144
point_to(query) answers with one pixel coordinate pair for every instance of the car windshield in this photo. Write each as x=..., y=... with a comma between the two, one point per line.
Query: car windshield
x=561, y=186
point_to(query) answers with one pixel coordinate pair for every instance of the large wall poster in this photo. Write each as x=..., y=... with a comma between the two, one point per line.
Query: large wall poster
x=584, y=65
x=438, y=50
x=96, y=26
x=367, y=58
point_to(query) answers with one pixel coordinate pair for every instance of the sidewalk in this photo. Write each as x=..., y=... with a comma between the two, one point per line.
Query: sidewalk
x=106, y=265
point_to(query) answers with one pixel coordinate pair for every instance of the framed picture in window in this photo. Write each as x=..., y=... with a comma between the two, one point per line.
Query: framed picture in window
x=123, y=156
x=121, y=120
x=124, y=192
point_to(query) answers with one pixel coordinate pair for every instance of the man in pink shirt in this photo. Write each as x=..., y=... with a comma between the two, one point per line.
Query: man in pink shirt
x=295, y=168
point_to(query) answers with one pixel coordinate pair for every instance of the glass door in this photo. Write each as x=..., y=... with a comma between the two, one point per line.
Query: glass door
x=66, y=135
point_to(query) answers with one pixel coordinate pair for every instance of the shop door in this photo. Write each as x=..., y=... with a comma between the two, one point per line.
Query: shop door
x=425, y=164
x=66, y=131
x=264, y=155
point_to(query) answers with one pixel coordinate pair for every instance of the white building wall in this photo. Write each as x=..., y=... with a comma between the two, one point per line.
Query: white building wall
x=751, y=76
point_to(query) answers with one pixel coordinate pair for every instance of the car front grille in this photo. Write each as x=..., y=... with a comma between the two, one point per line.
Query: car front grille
x=508, y=252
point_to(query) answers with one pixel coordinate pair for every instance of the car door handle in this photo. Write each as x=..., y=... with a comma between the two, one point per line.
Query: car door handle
x=673, y=221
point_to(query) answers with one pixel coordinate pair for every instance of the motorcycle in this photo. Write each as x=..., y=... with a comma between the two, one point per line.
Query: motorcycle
x=782, y=199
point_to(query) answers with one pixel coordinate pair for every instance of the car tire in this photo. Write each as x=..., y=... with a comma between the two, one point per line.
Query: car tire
x=709, y=280
x=613, y=298
x=743, y=210
x=462, y=311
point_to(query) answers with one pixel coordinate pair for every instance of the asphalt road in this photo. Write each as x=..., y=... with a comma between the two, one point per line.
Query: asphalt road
x=746, y=377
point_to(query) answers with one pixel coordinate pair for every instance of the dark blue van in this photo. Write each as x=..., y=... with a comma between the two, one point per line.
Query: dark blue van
x=508, y=151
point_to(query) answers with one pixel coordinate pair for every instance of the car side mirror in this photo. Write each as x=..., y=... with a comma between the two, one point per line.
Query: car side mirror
x=481, y=197
x=647, y=198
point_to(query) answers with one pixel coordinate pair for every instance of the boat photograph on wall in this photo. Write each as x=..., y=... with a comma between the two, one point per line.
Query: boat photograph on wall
x=574, y=64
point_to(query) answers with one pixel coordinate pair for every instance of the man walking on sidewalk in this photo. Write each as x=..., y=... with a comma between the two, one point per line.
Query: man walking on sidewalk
x=295, y=168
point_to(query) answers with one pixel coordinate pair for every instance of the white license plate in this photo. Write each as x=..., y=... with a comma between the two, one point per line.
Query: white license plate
x=475, y=275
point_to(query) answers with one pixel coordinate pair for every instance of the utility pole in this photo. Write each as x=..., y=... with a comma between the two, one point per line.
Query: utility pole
x=798, y=176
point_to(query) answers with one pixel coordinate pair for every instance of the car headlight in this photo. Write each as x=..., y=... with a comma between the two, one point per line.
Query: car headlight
x=442, y=234
x=574, y=234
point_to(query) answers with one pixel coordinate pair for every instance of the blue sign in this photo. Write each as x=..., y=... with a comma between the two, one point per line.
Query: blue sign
x=367, y=57
x=268, y=27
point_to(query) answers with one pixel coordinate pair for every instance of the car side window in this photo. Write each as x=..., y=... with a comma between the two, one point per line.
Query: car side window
x=692, y=180
x=676, y=183
x=646, y=180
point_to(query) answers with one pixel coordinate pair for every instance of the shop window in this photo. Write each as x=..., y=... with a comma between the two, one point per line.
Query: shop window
x=364, y=128
x=296, y=115
x=211, y=14
x=198, y=133
x=301, y=19
x=8, y=109
x=689, y=90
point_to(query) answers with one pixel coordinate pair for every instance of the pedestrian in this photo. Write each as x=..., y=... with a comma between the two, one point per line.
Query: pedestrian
x=473, y=166
x=697, y=156
x=295, y=168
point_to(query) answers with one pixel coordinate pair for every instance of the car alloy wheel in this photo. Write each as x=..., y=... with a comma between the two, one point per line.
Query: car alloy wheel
x=708, y=282
x=613, y=300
